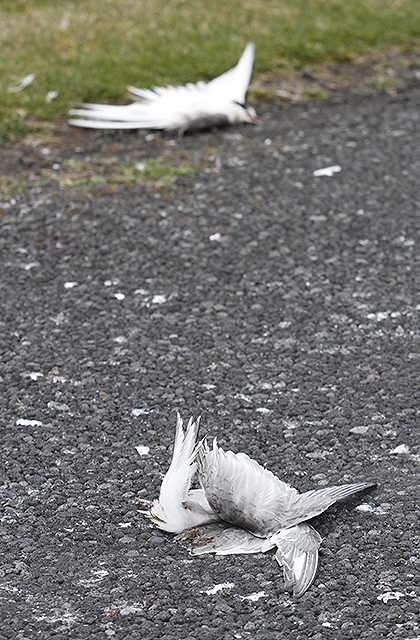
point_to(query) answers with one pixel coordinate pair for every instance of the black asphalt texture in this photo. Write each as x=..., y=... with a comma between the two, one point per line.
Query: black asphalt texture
x=281, y=307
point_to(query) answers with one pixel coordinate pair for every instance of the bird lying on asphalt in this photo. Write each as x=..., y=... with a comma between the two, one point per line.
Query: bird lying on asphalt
x=194, y=106
x=241, y=507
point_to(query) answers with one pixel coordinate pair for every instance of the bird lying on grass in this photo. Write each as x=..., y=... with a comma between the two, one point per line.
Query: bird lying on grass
x=241, y=507
x=193, y=106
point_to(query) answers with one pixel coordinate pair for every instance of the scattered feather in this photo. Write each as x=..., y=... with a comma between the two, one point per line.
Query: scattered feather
x=51, y=95
x=327, y=171
x=25, y=82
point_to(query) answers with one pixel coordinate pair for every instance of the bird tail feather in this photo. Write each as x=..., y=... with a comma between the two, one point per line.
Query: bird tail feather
x=297, y=554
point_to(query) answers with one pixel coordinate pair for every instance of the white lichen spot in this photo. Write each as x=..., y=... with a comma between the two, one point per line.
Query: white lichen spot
x=401, y=449
x=327, y=171
x=159, y=299
x=119, y=296
x=243, y=396
x=142, y=450
x=390, y=595
x=359, y=430
x=219, y=587
x=215, y=237
x=381, y=510
x=141, y=412
x=97, y=576
x=253, y=597
x=131, y=609
x=33, y=375
x=22, y=422
x=70, y=285
x=378, y=316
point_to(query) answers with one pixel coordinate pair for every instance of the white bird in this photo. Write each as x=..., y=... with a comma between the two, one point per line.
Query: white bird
x=241, y=507
x=193, y=106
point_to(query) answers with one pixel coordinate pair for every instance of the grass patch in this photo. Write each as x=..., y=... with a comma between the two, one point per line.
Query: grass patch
x=316, y=93
x=112, y=171
x=9, y=185
x=101, y=171
x=89, y=50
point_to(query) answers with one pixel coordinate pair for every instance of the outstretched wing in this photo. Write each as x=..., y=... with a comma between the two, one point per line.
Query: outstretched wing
x=297, y=554
x=128, y=116
x=310, y=504
x=222, y=539
x=242, y=492
x=234, y=83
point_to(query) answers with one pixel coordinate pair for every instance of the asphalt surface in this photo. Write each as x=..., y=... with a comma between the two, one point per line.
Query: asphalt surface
x=282, y=307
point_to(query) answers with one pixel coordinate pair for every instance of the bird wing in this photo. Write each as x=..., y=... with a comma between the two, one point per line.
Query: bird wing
x=222, y=539
x=297, y=554
x=127, y=116
x=168, y=92
x=118, y=124
x=241, y=491
x=177, y=508
x=310, y=504
x=234, y=83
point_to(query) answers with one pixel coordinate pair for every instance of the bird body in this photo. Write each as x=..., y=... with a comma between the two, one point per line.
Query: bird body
x=193, y=106
x=241, y=507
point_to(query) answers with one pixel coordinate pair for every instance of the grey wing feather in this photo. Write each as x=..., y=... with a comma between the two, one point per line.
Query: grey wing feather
x=312, y=503
x=297, y=554
x=222, y=540
x=242, y=492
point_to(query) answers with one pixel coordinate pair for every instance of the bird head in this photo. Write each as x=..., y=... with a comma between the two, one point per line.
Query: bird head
x=241, y=113
x=252, y=115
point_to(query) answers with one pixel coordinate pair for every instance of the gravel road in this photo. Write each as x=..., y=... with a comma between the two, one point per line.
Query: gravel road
x=281, y=306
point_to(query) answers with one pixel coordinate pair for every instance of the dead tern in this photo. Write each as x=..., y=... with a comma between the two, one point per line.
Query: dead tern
x=193, y=106
x=241, y=507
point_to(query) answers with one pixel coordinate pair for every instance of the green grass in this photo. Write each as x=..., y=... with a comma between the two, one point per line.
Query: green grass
x=111, y=171
x=89, y=50
x=96, y=171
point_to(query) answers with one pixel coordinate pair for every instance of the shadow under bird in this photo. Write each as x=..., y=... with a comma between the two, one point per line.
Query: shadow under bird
x=193, y=106
x=241, y=507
